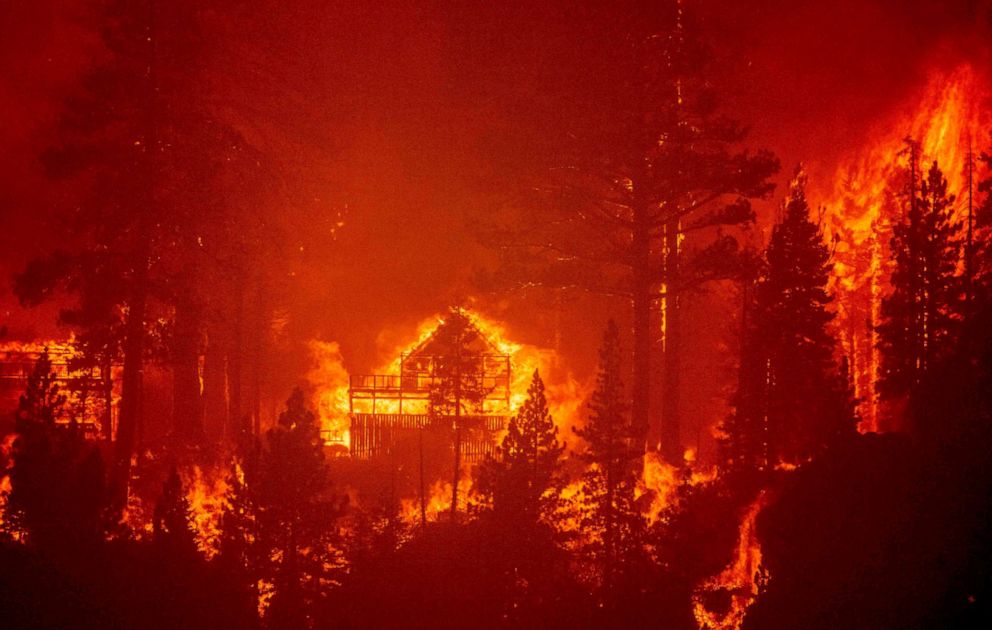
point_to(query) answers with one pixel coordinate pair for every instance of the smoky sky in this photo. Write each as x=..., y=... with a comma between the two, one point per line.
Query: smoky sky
x=414, y=119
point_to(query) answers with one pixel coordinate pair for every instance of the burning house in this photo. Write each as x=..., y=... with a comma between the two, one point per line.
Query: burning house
x=90, y=390
x=453, y=388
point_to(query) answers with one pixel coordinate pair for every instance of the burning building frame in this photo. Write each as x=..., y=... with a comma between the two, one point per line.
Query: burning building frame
x=91, y=390
x=454, y=386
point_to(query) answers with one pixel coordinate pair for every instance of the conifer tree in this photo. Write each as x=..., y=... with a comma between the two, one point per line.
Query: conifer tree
x=788, y=404
x=648, y=166
x=295, y=518
x=57, y=497
x=920, y=315
x=237, y=545
x=173, y=520
x=526, y=474
x=456, y=390
x=614, y=454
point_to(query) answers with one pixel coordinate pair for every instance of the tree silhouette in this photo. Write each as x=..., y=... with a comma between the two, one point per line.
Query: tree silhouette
x=613, y=520
x=522, y=488
x=791, y=400
x=295, y=519
x=173, y=519
x=457, y=389
x=920, y=315
x=57, y=497
x=524, y=477
x=638, y=193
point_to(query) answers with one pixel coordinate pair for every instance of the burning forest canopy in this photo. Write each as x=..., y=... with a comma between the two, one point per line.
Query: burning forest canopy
x=324, y=314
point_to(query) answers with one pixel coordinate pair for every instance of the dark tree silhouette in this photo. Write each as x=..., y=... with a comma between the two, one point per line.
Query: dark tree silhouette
x=613, y=521
x=522, y=482
x=295, y=517
x=920, y=315
x=521, y=488
x=57, y=498
x=648, y=175
x=791, y=400
x=456, y=388
x=173, y=519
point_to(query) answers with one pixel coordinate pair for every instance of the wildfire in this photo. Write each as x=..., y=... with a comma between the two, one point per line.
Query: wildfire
x=206, y=502
x=861, y=208
x=741, y=580
x=330, y=382
x=662, y=479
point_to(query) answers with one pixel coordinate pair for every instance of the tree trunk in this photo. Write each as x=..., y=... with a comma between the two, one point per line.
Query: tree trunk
x=129, y=419
x=671, y=439
x=642, y=300
x=235, y=361
x=214, y=388
x=187, y=420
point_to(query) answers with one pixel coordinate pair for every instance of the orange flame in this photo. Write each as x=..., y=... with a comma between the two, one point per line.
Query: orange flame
x=329, y=378
x=740, y=578
x=206, y=501
x=861, y=208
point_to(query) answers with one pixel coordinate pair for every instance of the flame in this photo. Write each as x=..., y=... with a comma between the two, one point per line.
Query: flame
x=661, y=480
x=740, y=579
x=329, y=379
x=860, y=208
x=437, y=503
x=330, y=382
x=206, y=501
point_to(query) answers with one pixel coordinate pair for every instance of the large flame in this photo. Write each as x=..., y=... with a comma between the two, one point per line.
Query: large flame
x=329, y=378
x=741, y=579
x=861, y=207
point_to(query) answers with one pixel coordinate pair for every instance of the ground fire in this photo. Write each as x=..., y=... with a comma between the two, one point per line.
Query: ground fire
x=622, y=314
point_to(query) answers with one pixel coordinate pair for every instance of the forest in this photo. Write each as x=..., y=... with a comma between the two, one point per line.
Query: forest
x=512, y=315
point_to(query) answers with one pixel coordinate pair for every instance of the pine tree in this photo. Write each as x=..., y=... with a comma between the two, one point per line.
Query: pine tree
x=295, y=519
x=523, y=479
x=173, y=520
x=237, y=545
x=613, y=456
x=456, y=389
x=57, y=498
x=788, y=401
x=522, y=486
x=649, y=165
x=920, y=315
